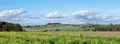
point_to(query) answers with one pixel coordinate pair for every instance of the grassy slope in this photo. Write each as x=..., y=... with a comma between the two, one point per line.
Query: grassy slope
x=61, y=27
x=59, y=38
x=68, y=37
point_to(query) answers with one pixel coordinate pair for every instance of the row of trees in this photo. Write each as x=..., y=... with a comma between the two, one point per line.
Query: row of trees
x=54, y=24
x=109, y=27
x=103, y=27
x=5, y=26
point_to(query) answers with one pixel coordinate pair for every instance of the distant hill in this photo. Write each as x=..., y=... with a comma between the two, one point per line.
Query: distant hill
x=73, y=27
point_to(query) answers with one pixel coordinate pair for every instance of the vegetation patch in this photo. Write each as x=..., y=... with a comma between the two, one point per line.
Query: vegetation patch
x=5, y=26
x=53, y=38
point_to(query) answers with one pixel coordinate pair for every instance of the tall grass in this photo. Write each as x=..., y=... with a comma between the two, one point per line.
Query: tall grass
x=53, y=38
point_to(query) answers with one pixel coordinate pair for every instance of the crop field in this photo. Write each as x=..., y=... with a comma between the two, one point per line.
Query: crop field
x=59, y=38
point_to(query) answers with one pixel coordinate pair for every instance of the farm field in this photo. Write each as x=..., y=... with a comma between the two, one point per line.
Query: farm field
x=61, y=27
x=59, y=37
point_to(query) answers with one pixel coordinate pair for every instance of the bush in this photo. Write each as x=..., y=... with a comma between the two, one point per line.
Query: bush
x=5, y=26
x=51, y=30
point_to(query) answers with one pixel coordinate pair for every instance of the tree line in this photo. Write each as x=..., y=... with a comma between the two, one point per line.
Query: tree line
x=103, y=27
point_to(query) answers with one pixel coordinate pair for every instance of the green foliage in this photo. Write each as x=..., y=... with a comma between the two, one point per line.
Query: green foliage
x=53, y=38
x=4, y=26
x=109, y=27
x=51, y=30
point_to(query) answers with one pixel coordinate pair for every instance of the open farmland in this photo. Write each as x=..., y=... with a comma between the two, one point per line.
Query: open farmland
x=59, y=38
x=50, y=27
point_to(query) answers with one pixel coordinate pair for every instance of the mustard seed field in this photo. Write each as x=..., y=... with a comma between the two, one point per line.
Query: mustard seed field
x=59, y=38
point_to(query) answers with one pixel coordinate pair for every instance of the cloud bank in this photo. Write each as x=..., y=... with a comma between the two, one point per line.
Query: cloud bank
x=12, y=15
x=96, y=17
x=87, y=16
x=54, y=15
x=80, y=16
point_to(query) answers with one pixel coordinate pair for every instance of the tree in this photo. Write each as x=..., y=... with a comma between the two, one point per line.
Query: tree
x=5, y=26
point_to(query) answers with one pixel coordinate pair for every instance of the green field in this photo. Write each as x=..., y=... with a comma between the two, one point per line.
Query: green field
x=62, y=27
x=60, y=34
x=59, y=38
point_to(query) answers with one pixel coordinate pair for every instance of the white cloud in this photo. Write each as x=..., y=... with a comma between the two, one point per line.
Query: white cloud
x=109, y=16
x=84, y=14
x=81, y=16
x=12, y=15
x=54, y=15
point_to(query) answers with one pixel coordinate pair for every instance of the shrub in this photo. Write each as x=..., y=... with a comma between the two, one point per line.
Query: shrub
x=51, y=30
x=5, y=26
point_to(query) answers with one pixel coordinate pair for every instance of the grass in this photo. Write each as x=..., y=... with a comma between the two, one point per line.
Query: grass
x=66, y=28
x=59, y=38
x=68, y=34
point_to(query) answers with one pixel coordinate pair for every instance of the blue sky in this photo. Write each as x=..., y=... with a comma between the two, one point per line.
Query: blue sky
x=35, y=12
